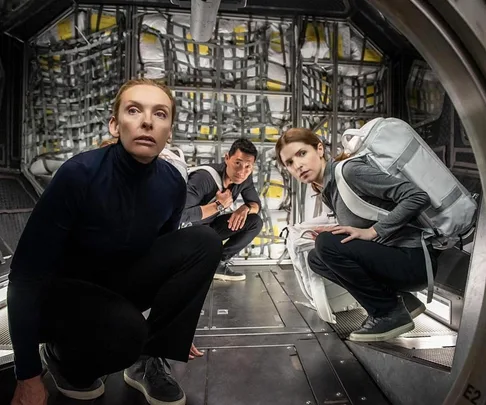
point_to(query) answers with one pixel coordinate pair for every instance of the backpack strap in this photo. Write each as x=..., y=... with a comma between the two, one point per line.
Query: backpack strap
x=363, y=209
x=428, y=269
x=214, y=174
x=353, y=202
x=212, y=171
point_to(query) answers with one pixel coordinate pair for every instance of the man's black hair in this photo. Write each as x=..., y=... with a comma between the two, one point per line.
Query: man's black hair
x=245, y=146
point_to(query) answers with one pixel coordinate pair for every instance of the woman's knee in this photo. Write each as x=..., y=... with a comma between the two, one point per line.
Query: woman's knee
x=204, y=239
x=328, y=243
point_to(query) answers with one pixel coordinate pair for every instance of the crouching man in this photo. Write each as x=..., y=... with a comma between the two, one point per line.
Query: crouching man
x=207, y=204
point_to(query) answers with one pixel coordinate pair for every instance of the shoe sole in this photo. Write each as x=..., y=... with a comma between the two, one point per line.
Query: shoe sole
x=229, y=278
x=381, y=337
x=152, y=401
x=79, y=395
x=418, y=311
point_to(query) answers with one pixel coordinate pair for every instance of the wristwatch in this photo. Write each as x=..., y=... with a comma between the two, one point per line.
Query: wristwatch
x=219, y=206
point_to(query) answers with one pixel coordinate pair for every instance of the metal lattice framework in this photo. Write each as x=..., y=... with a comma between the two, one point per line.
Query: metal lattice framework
x=76, y=68
x=238, y=84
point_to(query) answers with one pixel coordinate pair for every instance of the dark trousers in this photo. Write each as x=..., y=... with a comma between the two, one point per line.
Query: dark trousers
x=97, y=328
x=371, y=272
x=238, y=240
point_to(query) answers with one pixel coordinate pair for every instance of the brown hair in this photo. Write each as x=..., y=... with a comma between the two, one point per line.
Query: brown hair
x=303, y=135
x=148, y=82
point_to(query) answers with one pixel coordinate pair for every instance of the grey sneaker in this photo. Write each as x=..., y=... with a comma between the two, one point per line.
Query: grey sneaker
x=94, y=391
x=151, y=376
x=414, y=306
x=381, y=328
x=223, y=272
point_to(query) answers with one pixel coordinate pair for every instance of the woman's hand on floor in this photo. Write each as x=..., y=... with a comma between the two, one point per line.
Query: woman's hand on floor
x=194, y=353
x=30, y=392
x=355, y=233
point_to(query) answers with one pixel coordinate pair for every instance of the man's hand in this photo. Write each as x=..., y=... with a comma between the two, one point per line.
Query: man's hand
x=30, y=392
x=195, y=353
x=355, y=233
x=238, y=219
x=225, y=198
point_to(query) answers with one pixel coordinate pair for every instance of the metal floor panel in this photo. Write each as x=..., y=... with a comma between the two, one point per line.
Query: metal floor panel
x=14, y=194
x=6, y=354
x=11, y=227
x=256, y=370
x=257, y=305
x=17, y=199
x=290, y=285
x=269, y=375
x=5, y=342
x=442, y=357
x=244, y=305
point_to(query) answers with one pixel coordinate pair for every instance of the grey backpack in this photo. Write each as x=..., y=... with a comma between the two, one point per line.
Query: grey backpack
x=395, y=148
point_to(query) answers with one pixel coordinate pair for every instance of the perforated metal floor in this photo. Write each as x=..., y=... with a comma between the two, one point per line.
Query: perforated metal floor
x=4, y=335
x=14, y=194
x=441, y=357
x=17, y=199
x=438, y=340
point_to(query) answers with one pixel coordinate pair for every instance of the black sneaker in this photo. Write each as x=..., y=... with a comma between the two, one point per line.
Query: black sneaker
x=151, y=376
x=414, y=306
x=381, y=328
x=223, y=272
x=94, y=391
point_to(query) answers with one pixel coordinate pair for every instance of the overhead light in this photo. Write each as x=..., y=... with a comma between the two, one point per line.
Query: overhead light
x=203, y=19
x=203, y=15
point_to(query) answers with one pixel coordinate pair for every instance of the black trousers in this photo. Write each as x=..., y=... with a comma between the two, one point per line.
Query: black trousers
x=371, y=272
x=97, y=328
x=238, y=240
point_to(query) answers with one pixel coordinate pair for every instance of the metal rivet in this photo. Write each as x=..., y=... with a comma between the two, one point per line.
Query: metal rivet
x=206, y=328
x=326, y=334
x=213, y=350
x=309, y=334
x=342, y=361
x=338, y=394
x=289, y=347
x=363, y=398
x=308, y=402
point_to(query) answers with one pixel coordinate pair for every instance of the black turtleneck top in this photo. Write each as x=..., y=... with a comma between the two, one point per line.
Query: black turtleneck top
x=100, y=213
